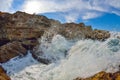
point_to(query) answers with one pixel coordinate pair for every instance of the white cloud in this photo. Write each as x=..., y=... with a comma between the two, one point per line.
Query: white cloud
x=84, y=9
x=89, y=15
x=5, y=5
x=38, y=6
x=72, y=17
x=114, y=3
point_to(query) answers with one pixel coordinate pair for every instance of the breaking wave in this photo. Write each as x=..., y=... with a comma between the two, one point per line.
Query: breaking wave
x=84, y=58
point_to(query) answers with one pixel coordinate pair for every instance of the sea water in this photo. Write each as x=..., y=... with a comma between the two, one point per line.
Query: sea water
x=84, y=58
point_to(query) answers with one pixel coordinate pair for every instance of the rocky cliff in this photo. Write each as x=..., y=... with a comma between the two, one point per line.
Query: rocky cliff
x=27, y=28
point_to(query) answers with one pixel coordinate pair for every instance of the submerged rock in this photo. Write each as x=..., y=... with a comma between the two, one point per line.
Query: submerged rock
x=3, y=75
x=103, y=76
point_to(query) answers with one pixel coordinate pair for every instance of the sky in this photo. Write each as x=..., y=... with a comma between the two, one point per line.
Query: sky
x=100, y=14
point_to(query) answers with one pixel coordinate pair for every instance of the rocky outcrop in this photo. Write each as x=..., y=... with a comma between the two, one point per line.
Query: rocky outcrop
x=73, y=30
x=103, y=76
x=22, y=26
x=100, y=34
x=3, y=75
x=10, y=50
x=81, y=31
x=19, y=32
x=23, y=30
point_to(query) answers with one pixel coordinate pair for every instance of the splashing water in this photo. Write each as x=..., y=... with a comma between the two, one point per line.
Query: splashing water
x=85, y=58
x=55, y=50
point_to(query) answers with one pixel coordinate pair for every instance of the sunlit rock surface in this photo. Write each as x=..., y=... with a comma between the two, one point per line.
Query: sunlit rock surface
x=103, y=76
x=3, y=75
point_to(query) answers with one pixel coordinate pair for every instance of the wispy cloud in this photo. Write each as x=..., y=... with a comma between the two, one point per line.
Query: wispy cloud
x=5, y=5
x=85, y=9
x=70, y=9
x=89, y=15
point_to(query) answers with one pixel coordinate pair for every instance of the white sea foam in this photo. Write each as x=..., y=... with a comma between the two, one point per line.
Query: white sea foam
x=85, y=58
x=55, y=50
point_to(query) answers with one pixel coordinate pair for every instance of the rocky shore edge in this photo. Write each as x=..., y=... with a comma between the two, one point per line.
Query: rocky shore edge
x=20, y=32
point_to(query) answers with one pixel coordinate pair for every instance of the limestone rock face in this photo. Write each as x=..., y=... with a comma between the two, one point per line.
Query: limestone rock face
x=3, y=75
x=11, y=50
x=103, y=76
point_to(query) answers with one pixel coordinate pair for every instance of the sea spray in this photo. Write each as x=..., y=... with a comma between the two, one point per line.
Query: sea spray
x=54, y=50
x=85, y=58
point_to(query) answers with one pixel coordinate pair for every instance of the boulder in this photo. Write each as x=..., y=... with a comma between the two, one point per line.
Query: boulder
x=103, y=76
x=10, y=50
x=3, y=75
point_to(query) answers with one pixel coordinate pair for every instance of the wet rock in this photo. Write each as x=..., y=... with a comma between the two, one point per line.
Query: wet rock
x=10, y=50
x=3, y=75
x=40, y=59
x=103, y=76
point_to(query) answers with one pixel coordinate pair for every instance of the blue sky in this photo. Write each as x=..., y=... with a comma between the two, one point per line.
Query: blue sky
x=100, y=14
